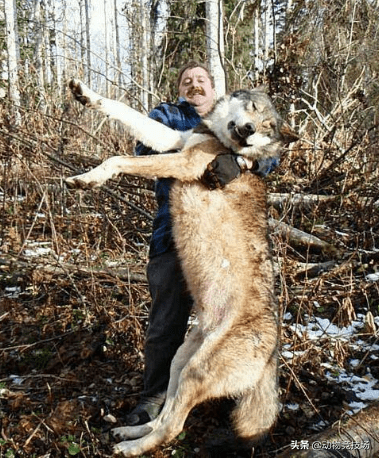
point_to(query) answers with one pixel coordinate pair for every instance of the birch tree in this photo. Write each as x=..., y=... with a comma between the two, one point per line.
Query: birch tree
x=12, y=52
x=244, y=52
x=60, y=28
x=144, y=47
x=131, y=11
x=47, y=65
x=215, y=44
x=185, y=39
x=87, y=41
x=106, y=45
x=38, y=52
x=117, y=44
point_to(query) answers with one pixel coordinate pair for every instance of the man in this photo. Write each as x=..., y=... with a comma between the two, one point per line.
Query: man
x=171, y=302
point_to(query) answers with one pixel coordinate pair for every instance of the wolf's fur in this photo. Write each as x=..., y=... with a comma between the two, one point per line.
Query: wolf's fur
x=221, y=238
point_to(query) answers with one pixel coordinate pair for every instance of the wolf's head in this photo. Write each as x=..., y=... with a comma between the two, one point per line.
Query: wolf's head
x=247, y=122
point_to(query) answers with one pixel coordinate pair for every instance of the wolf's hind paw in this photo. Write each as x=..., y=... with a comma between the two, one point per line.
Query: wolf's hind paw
x=128, y=449
x=131, y=432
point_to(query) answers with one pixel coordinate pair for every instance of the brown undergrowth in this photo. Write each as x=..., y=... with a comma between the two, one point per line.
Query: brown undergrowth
x=74, y=300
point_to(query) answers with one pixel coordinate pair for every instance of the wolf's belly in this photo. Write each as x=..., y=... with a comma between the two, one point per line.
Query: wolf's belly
x=221, y=238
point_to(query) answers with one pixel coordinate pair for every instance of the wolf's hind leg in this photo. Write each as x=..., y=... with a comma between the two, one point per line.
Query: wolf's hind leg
x=100, y=174
x=181, y=358
x=133, y=432
x=258, y=407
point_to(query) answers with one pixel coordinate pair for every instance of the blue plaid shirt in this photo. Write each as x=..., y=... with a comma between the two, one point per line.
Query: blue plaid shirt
x=181, y=117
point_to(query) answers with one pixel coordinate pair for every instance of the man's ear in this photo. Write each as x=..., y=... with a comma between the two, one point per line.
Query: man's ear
x=288, y=134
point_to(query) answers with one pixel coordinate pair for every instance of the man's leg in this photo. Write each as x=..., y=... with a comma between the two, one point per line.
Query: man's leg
x=170, y=309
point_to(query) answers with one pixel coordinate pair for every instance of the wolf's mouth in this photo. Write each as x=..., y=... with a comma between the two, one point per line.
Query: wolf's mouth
x=240, y=140
x=240, y=134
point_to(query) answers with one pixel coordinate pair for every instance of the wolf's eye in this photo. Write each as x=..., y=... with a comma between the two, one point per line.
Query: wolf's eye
x=269, y=124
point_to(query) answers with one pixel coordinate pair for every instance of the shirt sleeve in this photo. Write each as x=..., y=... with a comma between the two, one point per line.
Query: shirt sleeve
x=267, y=165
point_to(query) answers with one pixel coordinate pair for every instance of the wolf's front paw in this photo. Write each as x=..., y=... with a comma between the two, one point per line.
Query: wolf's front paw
x=83, y=94
x=76, y=87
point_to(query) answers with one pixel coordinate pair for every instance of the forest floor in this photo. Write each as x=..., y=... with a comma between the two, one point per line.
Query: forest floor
x=74, y=305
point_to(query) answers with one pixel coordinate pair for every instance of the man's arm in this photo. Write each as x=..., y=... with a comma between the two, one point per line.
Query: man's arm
x=227, y=167
x=218, y=173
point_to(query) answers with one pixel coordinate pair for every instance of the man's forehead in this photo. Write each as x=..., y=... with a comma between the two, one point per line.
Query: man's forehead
x=195, y=72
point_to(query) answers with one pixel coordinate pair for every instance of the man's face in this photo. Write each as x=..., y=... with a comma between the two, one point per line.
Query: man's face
x=196, y=87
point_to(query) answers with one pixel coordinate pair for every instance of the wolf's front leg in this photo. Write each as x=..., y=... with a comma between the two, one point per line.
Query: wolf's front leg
x=85, y=95
x=150, y=132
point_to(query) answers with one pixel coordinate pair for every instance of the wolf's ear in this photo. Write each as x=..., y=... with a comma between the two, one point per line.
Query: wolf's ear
x=288, y=134
x=261, y=88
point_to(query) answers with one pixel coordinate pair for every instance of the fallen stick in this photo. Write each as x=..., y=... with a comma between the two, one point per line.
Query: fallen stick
x=296, y=199
x=298, y=237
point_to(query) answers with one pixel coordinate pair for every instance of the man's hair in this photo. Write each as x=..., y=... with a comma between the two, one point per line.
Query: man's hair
x=191, y=65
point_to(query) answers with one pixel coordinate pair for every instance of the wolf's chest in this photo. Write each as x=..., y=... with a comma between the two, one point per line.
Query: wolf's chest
x=194, y=205
x=219, y=221
x=204, y=224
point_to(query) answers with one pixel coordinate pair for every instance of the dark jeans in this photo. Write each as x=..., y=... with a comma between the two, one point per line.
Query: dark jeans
x=171, y=306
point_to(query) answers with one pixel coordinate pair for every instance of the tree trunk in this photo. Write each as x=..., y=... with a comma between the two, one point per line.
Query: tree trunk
x=117, y=76
x=107, y=50
x=88, y=41
x=215, y=44
x=145, y=42
x=38, y=54
x=357, y=437
x=47, y=48
x=12, y=40
x=59, y=13
x=257, y=60
x=300, y=238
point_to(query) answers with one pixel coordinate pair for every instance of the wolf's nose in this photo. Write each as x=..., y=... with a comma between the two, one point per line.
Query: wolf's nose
x=249, y=129
x=246, y=130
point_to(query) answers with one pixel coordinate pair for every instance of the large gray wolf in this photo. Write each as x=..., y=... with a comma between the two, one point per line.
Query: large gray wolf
x=221, y=239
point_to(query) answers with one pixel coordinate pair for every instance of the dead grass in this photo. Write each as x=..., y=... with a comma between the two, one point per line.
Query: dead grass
x=73, y=315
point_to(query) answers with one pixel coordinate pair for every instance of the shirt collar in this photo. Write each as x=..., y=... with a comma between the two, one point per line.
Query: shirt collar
x=182, y=101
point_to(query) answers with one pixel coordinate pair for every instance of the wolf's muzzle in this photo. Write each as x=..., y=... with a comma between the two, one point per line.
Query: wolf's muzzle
x=241, y=133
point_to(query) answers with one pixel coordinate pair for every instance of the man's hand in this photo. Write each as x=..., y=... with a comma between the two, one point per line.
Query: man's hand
x=222, y=170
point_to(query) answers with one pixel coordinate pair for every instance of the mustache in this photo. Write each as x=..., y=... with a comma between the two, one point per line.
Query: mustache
x=196, y=90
